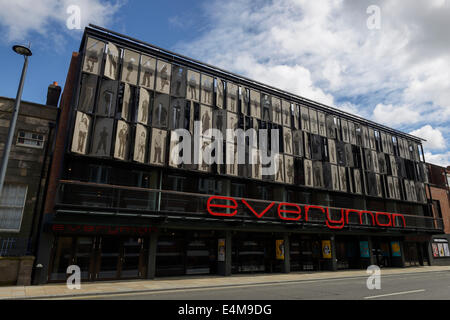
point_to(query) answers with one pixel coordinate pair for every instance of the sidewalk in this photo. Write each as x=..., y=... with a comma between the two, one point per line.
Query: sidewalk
x=189, y=282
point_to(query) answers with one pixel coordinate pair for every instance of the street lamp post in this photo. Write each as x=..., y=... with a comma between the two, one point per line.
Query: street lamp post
x=26, y=52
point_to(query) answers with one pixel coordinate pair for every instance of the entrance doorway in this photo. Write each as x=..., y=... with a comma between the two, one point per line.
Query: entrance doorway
x=99, y=258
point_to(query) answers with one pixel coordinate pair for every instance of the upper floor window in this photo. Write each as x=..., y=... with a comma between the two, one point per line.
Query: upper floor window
x=12, y=202
x=30, y=139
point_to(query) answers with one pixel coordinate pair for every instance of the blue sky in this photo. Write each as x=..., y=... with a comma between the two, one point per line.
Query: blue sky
x=395, y=72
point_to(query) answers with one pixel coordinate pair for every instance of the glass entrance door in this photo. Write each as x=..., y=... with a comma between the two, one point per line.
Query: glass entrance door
x=108, y=258
x=132, y=259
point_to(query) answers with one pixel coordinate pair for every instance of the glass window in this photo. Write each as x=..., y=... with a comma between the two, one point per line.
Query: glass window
x=30, y=139
x=12, y=202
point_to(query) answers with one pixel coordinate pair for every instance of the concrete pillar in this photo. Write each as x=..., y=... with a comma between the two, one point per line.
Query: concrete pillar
x=429, y=253
x=333, y=262
x=151, y=264
x=286, y=268
x=43, y=258
x=224, y=267
x=402, y=258
x=372, y=258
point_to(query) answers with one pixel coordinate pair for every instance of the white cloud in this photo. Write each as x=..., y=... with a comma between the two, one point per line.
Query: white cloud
x=434, y=137
x=440, y=159
x=20, y=18
x=397, y=75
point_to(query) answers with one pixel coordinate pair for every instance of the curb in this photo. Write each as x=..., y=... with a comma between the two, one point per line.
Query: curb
x=44, y=297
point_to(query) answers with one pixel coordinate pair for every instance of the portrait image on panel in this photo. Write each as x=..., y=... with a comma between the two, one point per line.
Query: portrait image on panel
x=345, y=133
x=232, y=123
x=313, y=121
x=144, y=106
x=207, y=90
x=231, y=156
x=174, y=157
x=396, y=188
x=220, y=120
x=193, y=86
x=147, y=74
x=297, y=142
x=372, y=184
x=244, y=95
x=379, y=188
x=382, y=163
x=93, y=57
x=163, y=73
x=335, y=177
x=112, y=62
x=130, y=67
x=158, y=147
x=372, y=139
x=232, y=97
x=256, y=166
x=390, y=144
x=390, y=187
x=102, y=137
x=220, y=93
x=331, y=127
x=365, y=137
x=376, y=166
x=384, y=142
x=178, y=84
x=140, y=144
x=343, y=178
x=177, y=116
x=413, y=190
x=160, y=110
x=205, y=118
x=287, y=140
x=266, y=106
x=349, y=155
x=107, y=98
x=420, y=189
x=204, y=144
x=340, y=153
x=304, y=114
x=369, y=159
x=357, y=181
x=255, y=109
x=306, y=145
x=87, y=94
x=279, y=168
x=352, y=133
x=296, y=116
x=332, y=157
x=81, y=133
x=289, y=169
x=318, y=174
x=126, y=102
x=276, y=110
x=393, y=165
x=322, y=124
x=286, y=108
x=122, y=140
x=308, y=170
x=316, y=147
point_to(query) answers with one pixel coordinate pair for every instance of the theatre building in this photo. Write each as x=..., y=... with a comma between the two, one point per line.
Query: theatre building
x=345, y=192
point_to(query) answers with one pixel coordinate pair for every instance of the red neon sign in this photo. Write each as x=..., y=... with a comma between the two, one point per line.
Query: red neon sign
x=296, y=210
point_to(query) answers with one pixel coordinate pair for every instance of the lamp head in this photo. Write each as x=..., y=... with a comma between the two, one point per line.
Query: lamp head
x=24, y=51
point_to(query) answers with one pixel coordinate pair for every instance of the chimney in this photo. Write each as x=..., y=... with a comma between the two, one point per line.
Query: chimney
x=53, y=93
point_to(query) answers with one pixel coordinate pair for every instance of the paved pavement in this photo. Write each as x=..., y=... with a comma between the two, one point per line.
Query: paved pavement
x=348, y=284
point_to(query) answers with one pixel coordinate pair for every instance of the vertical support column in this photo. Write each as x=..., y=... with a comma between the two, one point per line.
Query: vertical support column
x=43, y=258
x=151, y=264
x=372, y=258
x=333, y=264
x=224, y=267
x=429, y=253
x=402, y=250
x=287, y=256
